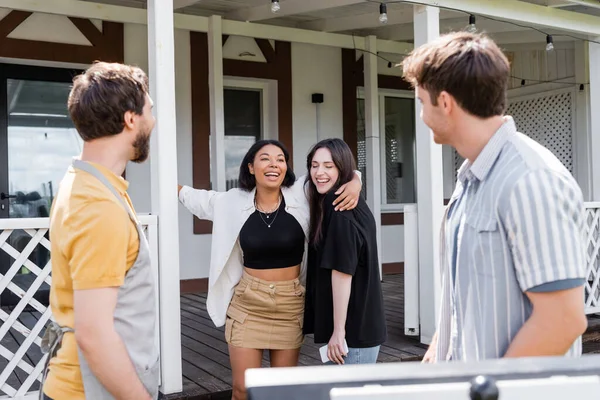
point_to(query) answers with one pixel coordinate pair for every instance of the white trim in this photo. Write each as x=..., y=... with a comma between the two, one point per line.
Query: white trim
x=587, y=3
x=594, y=106
x=429, y=182
x=396, y=207
x=268, y=89
x=383, y=93
x=581, y=155
x=373, y=139
x=24, y=223
x=43, y=63
x=217, y=118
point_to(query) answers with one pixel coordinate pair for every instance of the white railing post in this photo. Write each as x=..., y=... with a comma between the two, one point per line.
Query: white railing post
x=430, y=183
x=217, y=116
x=372, y=142
x=411, y=271
x=594, y=145
x=161, y=62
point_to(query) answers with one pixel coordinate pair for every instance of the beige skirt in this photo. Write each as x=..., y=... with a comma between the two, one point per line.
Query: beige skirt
x=266, y=315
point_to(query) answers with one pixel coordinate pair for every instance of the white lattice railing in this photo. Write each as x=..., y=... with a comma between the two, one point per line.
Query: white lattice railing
x=592, y=285
x=24, y=290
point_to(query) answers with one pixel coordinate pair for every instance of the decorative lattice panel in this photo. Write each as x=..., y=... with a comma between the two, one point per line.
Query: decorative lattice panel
x=547, y=119
x=25, y=279
x=24, y=288
x=592, y=286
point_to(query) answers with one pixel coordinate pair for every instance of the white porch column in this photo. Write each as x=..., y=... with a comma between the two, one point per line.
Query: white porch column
x=581, y=135
x=217, y=118
x=430, y=185
x=372, y=138
x=594, y=55
x=163, y=154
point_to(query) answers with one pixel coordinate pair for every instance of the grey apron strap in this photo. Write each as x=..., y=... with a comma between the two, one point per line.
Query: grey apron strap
x=51, y=342
x=90, y=169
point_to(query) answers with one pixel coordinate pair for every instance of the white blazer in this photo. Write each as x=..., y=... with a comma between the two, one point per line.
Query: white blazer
x=229, y=211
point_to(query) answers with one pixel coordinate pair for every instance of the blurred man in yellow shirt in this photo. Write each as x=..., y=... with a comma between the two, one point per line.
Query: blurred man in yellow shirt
x=102, y=296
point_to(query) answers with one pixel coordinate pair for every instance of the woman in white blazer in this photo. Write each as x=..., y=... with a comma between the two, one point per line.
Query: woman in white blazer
x=257, y=268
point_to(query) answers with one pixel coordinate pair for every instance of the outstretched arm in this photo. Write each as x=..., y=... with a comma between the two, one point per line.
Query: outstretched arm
x=199, y=202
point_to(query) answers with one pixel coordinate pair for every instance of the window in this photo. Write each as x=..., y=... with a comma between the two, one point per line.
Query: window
x=397, y=140
x=37, y=143
x=243, y=127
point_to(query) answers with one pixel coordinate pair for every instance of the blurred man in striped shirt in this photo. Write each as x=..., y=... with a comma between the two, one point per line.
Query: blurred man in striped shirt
x=512, y=241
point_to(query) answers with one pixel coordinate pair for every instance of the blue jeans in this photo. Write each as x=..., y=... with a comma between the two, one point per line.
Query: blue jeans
x=366, y=355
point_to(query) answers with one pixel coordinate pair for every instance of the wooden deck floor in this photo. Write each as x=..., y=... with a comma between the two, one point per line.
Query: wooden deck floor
x=206, y=369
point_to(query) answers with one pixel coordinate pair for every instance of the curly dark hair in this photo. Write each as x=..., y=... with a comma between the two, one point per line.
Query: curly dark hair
x=247, y=181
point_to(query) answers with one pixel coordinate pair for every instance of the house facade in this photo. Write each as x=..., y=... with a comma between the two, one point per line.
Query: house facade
x=227, y=73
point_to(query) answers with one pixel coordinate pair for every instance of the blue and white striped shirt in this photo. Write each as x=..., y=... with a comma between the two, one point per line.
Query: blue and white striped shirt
x=515, y=223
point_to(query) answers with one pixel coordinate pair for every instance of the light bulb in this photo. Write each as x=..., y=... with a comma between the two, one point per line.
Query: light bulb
x=275, y=6
x=383, y=18
x=549, y=43
x=471, y=27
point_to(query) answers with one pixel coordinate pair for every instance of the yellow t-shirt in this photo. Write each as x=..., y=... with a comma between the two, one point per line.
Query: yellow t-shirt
x=93, y=244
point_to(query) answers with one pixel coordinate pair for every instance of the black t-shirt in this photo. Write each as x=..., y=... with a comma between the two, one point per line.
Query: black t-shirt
x=349, y=245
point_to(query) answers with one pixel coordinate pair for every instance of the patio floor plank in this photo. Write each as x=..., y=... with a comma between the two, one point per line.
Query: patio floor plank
x=206, y=368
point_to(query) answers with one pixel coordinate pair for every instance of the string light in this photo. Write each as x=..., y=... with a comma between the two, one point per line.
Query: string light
x=383, y=18
x=471, y=27
x=487, y=17
x=275, y=6
x=549, y=43
x=559, y=81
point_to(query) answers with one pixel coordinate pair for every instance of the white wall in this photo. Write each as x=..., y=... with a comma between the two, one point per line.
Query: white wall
x=194, y=250
x=138, y=175
x=315, y=69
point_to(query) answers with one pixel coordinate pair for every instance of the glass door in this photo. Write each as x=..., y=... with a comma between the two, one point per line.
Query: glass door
x=37, y=142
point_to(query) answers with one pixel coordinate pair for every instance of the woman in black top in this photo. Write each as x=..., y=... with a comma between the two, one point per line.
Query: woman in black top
x=344, y=299
x=256, y=281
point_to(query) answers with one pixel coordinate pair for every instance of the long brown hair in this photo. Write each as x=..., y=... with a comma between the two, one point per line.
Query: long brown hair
x=344, y=161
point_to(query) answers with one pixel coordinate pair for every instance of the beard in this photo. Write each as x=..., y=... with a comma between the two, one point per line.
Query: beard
x=141, y=146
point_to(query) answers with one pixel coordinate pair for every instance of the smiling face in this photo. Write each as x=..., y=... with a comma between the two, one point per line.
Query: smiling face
x=269, y=167
x=323, y=171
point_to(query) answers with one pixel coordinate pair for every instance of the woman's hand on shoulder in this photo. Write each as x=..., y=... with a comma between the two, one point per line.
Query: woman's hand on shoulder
x=348, y=195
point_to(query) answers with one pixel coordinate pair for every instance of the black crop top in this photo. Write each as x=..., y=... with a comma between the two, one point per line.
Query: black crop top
x=278, y=246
